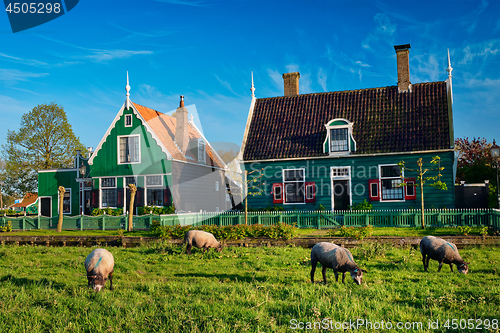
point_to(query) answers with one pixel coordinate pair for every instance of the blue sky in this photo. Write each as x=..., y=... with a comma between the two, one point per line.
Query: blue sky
x=206, y=51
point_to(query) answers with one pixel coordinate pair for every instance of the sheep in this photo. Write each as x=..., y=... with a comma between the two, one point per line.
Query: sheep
x=99, y=265
x=335, y=257
x=201, y=239
x=444, y=252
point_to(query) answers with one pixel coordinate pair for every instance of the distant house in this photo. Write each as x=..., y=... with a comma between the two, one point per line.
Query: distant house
x=337, y=149
x=28, y=204
x=166, y=157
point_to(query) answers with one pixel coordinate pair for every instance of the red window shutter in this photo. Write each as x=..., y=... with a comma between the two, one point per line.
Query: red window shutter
x=139, y=197
x=119, y=197
x=310, y=192
x=410, y=189
x=167, y=197
x=277, y=193
x=374, y=189
x=94, y=200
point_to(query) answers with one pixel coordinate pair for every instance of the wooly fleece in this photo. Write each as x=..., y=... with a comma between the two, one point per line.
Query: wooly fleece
x=444, y=252
x=201, y=239
x=337, y=258
x=99, y=265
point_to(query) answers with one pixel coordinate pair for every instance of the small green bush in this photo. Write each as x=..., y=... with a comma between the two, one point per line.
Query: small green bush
x=156, y=210
x=7, y=227
x=464, y=230
x=108, y=211
x=365, y=205
x=353, y=232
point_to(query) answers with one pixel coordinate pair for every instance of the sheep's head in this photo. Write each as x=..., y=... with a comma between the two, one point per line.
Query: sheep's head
x=463, y=268
x=97, y=282
x=357, y=275
x=219, y=248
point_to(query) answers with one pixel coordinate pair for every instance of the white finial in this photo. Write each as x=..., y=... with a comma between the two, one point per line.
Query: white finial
x=449, y=69
x=127, y=88
x=191, y=118
x=253, y=88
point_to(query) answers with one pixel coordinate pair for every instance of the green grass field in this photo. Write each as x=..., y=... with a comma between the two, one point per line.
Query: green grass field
x=160, y=289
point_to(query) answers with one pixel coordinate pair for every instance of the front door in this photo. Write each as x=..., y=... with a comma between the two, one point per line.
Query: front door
x=45, y=204
x=341, y=198
x=341, y=187
x=87, y=210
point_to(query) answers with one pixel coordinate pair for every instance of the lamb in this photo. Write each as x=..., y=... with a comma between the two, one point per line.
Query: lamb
x=335, y=257
x=438, y=249
x=201, y=239
x=99, y=265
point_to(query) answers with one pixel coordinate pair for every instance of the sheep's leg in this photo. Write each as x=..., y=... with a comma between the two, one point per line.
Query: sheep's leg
x=324, y=274
x=336, y=275
x=343, y=278
x=440, y=265
x=89, y=280
x=111, y=281
x=423, y=261
x=188, y=249
x=313, y=269
x=451, y=266
x=427, y=263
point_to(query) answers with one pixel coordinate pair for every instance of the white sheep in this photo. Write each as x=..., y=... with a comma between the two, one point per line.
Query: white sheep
x=99, y=265
x=338, y=258
x=201, y=239
x=444, y=252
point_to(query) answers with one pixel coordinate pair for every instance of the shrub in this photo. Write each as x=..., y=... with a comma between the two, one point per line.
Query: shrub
x=108, y=211
x=7, y=227
x=464, y=230
x=156, y=210
x=365, y=205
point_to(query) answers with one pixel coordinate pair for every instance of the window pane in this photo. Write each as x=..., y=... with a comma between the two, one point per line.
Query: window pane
x=155, y=197
x=338, y=139
x=67, y=202
x=130, y=180
x=153, y=180
x=128, y=120
x=129, y=149
x=108, y=182
x=109, y=198
x=310, y=192
x=391, y=189
x=410, y=189
x=277, y=193
x=294, y=192
x=390, y=171
x=294, y=175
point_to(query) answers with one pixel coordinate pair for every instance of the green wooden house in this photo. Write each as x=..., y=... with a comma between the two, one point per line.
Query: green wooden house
x=337, y=149
x=165, y=156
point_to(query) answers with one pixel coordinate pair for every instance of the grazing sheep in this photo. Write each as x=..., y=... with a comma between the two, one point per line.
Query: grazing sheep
x=99, y=265
x=201, y=239
x=438, y=249
x=335, y=257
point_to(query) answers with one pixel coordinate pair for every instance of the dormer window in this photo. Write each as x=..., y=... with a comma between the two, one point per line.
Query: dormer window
x=339, y=139
x=201, y=151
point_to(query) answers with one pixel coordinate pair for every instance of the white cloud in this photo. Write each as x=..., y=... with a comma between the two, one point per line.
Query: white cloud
x=291, y=68
x=384, y=32
x=427, y=69
x=322, y=79
x=226, y=85
x=14, y=75
x=481, y=50
x=276, y=77
x=29, y=62
x=105, y=55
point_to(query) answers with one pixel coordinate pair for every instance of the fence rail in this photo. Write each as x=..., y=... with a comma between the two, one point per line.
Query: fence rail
x=302, y=219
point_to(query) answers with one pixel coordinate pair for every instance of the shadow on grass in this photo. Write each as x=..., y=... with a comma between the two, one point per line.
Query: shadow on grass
x=25, y=282
x=224, y=277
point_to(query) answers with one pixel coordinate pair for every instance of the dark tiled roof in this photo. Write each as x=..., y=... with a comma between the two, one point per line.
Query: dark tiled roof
x=384, y=121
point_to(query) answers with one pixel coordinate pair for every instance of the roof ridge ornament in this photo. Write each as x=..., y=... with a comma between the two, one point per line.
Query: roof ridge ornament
x=127, y=88
x=253, y=88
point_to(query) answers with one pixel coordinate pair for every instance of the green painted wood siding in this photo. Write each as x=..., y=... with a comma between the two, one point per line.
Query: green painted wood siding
x=363, y=168
x=48, y=183
x=152, y=159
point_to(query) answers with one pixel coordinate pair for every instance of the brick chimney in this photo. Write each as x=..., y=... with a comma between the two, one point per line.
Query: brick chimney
x=291, y=81
x=403, y=59
x=181, y=127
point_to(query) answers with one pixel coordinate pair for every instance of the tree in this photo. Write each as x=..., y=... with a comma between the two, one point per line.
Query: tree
x=227, y=155
x=61, y=191
x=424, y=181
x=133, y=191
x=45, y=140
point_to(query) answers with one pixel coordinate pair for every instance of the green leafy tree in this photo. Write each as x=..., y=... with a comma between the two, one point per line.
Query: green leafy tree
x=45, y=140
x=434, y=181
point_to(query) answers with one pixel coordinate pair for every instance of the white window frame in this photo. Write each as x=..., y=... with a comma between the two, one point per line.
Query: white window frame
x=283, y=193
x=202, y=156
x=106, y=188
x=351, y=143
x=127, y=118
x=381, y=187
x=340, y=177
x=119, y=147
x=152, y=187
x=67, y=190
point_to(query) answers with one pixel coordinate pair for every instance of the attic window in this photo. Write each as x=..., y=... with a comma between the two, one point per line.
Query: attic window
x=128, y=120
x=339, y=139
x=201, y=151
x=129, y=149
